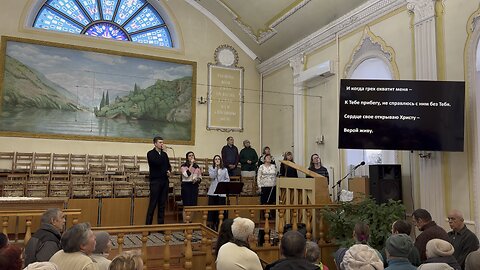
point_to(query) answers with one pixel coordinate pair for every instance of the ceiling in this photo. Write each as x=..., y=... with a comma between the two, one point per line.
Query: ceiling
x=268, y=27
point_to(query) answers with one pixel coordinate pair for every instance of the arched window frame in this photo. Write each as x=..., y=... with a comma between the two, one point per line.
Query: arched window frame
x=370, y=47
x=157, y=5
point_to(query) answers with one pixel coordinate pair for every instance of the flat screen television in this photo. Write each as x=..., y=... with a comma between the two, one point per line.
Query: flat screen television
x=402, y=115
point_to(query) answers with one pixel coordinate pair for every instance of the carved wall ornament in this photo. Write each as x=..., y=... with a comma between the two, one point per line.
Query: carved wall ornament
x=371, y=46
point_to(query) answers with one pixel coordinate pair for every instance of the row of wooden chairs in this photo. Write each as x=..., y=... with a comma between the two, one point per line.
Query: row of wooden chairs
x=55, y=163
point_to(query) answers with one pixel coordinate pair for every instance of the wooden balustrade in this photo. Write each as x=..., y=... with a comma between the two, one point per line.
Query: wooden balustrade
x=7, y=215
x=167, y=230
x=295, y=211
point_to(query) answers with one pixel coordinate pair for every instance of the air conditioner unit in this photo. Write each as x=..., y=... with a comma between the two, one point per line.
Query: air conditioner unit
x=315, y=73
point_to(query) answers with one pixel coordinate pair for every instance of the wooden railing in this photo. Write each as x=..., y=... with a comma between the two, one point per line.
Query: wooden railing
x=29, y=215
x=286, y=214
x=167, y=230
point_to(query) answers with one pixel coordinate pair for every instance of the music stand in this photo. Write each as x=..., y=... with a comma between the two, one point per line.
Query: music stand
x=229, y=188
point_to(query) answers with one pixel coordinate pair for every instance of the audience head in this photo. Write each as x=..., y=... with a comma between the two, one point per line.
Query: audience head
x=401, y=226
x=3, y=240
x=242, y=228
x=439, y=248
x=455, y=220
x=42, y=266
x=288, y=156
x=361, y=233
x=473, y=261
x=435, y=266
x=104, y=244
x=266, y=150
x=293, y=244
x=399, y=245
x=225, y=234
x=246, y=143
x=421, y=217
x=312, y=252
x=361, y=257
x=11, y=258
x=55, y=217
x=230, y=140
x=79, y=238
x=217, y=162
x=129, y=260
x=315, y=159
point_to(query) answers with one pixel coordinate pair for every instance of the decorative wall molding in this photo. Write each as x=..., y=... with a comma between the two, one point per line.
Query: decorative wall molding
x=358, y=17
x=222, y=27
x=371, y=46
x=297, y=63
x=262, y=35
x=423, y=9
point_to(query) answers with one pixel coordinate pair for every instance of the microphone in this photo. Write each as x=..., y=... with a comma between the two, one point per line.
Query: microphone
x=361, y=164
x=168, y=147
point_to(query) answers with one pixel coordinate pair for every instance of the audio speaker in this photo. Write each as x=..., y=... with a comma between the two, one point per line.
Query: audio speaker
x=385, y=182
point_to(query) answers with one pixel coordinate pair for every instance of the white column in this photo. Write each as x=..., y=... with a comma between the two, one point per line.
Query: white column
x=297, y=65
x=432, y=197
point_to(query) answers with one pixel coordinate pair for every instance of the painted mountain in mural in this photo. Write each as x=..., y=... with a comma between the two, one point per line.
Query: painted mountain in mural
x=168, y=101
x=24, y=87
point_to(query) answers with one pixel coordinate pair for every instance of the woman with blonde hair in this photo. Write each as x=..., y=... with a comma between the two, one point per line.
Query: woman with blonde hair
x=129, y=260
x=286, y=171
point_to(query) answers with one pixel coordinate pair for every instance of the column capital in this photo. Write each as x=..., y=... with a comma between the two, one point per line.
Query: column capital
x=296, y=63
x=423, y=9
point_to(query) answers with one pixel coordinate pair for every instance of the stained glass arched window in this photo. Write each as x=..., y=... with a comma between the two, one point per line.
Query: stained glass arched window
x=132, y=20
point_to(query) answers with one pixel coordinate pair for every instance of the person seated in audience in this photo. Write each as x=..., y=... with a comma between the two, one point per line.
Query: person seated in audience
x=361, y=257
x=293, y=250
x=286, y=171
x=237, y=253
x=313, y=253
x=102, y=250
x=463, y=240
x=430, y=230
x=3, y=240
x=46, y=240
x=441, y=251
x=78, y=244
x=10, y=257
x=225, y=234
x=435, y=266
x=472, y=262
x=402, y=226
x=128, y=260
x=398, y=247
x=41, y=266
x=361, y=234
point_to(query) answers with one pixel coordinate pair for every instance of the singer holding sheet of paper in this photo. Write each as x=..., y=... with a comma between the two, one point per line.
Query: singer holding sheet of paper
x=266, y=181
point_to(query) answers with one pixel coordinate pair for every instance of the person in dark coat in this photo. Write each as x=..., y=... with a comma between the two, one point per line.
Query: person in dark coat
x=46, y=241
x=248, y=160
x=292, y=249
x=231, y=157
x=463, y=240
x=430, y=230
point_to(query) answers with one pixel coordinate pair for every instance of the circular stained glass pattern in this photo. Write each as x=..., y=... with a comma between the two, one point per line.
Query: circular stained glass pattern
x=133, y=20
x=106, y=30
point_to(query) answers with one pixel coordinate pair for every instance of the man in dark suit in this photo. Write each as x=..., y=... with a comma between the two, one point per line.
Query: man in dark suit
x=159, y=168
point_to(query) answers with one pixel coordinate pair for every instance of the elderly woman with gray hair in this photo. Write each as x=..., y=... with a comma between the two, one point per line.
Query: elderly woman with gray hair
x=78, y=244
x=237, y=254
x=102, y=250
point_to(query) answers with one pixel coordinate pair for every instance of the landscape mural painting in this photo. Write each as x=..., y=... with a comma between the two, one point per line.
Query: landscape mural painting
x=50, y=90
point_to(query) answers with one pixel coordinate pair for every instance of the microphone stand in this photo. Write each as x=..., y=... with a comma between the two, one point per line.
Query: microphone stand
x=339, y=183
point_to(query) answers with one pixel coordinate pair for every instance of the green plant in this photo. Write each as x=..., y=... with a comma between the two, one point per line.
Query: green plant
x=342, y=219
